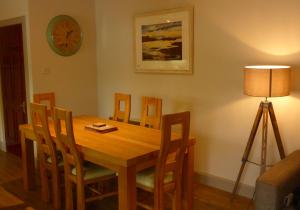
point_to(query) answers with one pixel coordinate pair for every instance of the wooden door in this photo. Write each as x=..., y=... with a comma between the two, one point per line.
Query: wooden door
x=12, y=84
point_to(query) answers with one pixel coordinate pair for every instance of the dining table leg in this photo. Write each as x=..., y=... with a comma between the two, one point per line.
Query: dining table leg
x=27, y=162
x=188, y=178
x=127, y=188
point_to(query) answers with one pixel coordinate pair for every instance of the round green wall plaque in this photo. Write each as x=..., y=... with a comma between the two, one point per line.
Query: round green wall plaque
x=64, y=35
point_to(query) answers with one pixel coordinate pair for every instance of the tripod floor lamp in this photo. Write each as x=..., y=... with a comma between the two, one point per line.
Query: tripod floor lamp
x=264, y=81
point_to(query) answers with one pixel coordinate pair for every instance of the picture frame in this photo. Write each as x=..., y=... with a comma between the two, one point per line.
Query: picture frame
x=164, y=41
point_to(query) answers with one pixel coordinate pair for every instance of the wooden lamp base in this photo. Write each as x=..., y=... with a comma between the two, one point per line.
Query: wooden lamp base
x=265, y=109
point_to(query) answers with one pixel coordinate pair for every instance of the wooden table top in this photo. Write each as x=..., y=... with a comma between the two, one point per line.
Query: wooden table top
x=129, y=145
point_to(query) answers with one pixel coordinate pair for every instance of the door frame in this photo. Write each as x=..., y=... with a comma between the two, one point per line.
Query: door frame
x=28, y=77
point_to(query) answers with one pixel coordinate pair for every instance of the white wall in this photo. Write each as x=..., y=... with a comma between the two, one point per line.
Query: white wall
x=12, y=8
x=73, y=78
x=229, y=34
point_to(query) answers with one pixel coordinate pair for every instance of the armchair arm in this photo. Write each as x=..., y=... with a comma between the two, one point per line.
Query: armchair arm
x=280, y=180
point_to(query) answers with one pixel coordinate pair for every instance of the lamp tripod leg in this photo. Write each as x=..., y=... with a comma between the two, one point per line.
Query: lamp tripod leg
x=264, y=140
x=238, y=178
x=276, y=131
x=249, y=146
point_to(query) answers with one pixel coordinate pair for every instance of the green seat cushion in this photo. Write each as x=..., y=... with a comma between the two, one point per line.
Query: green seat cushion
x=92, y=171
x=146, y=178
x=59, y=159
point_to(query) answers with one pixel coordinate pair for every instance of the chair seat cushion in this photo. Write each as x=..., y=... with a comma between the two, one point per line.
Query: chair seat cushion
x=59, y=159
x=146, y=178
x=92, y=171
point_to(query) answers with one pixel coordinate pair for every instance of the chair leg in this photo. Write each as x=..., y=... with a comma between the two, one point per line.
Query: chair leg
x=56, y=190
x=158, y=201
x=69, y=195
x=80, y=196
x=177, y=203
x=44, y=184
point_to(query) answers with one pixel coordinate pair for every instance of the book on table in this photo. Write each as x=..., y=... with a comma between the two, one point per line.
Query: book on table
x=101, y=127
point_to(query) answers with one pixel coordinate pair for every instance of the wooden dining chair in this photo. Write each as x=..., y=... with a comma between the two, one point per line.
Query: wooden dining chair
x=50, y=162
x=166, y=176
x=151, y=112
x=83, y=174
x=45, y=98
x=119, y=114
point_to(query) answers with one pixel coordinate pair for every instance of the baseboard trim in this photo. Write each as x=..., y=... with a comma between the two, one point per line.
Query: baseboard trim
x=224, y=184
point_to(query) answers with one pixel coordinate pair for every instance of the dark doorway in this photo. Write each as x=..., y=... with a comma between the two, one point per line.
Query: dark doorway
x=12, y=84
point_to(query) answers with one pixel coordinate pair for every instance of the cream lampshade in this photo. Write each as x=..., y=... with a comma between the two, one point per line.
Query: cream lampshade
x=267, y=81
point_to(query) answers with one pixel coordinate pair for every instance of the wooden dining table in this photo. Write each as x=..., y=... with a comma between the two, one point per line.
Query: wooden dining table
x=127, y=150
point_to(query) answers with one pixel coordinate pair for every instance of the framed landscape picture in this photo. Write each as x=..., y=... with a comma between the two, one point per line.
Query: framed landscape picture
x=164, y=41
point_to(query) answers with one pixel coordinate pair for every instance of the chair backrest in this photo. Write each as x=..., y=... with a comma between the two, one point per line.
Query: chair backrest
x=122, y=115
x=63, y=124
x=45, y=143
x=151, y=119
x=45, y=98
x=171, y=155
